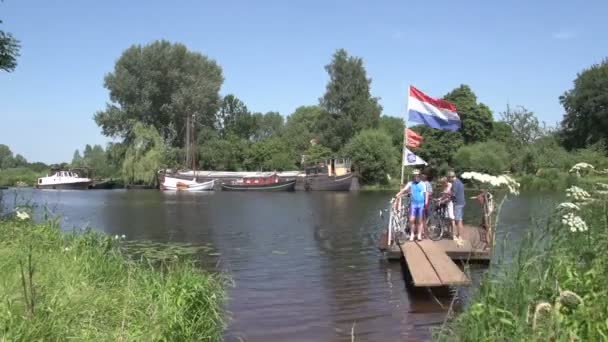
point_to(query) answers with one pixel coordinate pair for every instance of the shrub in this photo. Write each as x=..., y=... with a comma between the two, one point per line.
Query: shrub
x=373, y=156
x=489, y=157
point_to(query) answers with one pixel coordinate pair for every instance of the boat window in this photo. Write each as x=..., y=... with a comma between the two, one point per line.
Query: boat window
x=40, y=181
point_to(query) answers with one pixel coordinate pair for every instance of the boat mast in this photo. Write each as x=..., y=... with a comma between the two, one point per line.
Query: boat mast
x=193, y=148
x=187, y=142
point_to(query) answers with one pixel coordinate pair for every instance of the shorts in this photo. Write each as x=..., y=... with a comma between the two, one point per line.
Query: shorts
x=458, y=211
x=449, y=210
x=417, y=211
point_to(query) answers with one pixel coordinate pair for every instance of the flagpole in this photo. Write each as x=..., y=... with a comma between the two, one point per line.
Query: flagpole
x=407, y=110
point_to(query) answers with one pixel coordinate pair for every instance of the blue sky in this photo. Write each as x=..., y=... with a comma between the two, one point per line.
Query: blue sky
x=273, y=53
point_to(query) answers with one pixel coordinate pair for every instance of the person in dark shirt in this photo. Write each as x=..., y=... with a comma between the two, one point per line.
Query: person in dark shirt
x=459, y=203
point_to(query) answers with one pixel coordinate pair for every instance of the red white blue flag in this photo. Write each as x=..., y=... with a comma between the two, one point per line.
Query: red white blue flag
x=432, y=112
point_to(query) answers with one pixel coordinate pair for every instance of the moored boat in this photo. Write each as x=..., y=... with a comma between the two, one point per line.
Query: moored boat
x=332, y=175
x=178, y=184
x=64, y=179
x=261, y=183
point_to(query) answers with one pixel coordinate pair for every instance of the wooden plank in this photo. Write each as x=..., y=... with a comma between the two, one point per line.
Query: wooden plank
x=448, y=272
x=423, y=273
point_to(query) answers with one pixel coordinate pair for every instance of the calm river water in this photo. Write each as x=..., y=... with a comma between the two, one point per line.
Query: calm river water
x=305, y=265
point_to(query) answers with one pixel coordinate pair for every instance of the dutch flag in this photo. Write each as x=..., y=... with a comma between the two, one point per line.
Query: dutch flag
x=435, y=113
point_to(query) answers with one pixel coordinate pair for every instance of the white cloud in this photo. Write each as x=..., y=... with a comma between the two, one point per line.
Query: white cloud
x=564, y=34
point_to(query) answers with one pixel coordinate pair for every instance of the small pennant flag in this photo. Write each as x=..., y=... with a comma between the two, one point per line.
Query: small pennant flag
x=409, y=158
x=413, y=139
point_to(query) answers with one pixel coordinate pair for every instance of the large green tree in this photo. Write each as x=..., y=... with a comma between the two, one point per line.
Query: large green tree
x=489, y=157
x=302, y=126
x=267, y=125
x=233, y=117
x=160, y=84
x=373, y=156
x=348, y=98
x=476, y=117
x=6, y=157
x=9, y=51
x=586, y=105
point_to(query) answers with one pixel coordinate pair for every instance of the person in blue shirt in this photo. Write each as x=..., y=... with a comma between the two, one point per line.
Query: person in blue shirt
x=459, y=203
x=419, y=197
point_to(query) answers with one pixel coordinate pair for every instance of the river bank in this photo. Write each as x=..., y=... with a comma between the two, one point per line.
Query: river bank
x=554, y=289
x=85, y=286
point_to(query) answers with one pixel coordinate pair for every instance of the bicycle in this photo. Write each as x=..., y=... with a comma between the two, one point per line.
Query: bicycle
x=438, y=223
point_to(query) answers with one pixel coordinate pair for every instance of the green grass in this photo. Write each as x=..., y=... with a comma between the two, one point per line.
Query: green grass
x=552, y=260
x=85, y=287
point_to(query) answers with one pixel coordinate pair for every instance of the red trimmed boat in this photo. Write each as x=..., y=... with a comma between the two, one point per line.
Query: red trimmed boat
x=261, y=183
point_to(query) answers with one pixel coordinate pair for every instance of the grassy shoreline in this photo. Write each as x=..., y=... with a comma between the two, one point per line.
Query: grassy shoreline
x=59, y=286
x=555, y=287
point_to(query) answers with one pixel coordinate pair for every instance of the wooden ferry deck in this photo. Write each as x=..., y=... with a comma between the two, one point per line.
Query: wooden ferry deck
x=431, y=263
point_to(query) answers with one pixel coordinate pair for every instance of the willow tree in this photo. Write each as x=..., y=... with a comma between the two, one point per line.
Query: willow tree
x=144, y=156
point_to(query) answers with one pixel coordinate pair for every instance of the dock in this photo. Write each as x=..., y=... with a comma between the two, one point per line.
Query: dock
x=432, y=263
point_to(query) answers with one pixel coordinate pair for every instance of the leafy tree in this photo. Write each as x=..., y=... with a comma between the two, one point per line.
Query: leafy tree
x=6, y=157
x=439, y=146
x=9, y=51
x=317, y=153
x=586, y=105
x=115, y=156
x=76, y=159
x=348, y=98
x=270, y=155
x=226, y=154
x=489, y=157
x=233, y=117
x=301, y=127
x=373, y=155
x=267, y=125
x=524, y=125
x=502, y=132
x=159, y=84
x=38, y=167
x=395, y=127
x=20, y=161
x=476, y=117
x=144, y=156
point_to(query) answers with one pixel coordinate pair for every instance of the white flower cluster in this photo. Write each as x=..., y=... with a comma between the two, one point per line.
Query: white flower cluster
x=604, y=186
x=22, y=215
x=495, y=181
x=575, y=223
x=121, y=237
x=581, y=166
x=568, y=206
x=578, y=194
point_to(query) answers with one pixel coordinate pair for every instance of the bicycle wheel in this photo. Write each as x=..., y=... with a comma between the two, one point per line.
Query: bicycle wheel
x=435, y=226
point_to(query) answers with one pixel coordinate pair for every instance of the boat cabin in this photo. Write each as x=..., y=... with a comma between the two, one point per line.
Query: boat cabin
x=331, y=167
x=261, y=180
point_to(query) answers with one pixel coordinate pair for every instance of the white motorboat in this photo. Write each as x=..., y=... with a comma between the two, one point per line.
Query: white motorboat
x=178, y=184
x=64, y=179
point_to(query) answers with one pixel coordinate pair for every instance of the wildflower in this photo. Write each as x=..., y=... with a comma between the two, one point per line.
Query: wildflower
x=123, y=236
x=22, y=215
x=116, y=237
x=541, y=313
x=495, y=181
x=581, y=166
x=570, y=299
x=577, y=194
x=574, y=223
x=66, y=249
x=568, y=205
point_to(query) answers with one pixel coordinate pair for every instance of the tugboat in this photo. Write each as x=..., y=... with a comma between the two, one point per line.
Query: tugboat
x=64, y=179
x=261, y=183
x=332, y=175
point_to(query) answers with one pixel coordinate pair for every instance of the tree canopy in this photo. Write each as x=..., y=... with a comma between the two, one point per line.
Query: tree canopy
x=159, y=84
x=586, y=104
x=476, y=117
x=9, y=51
x=348, y=98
